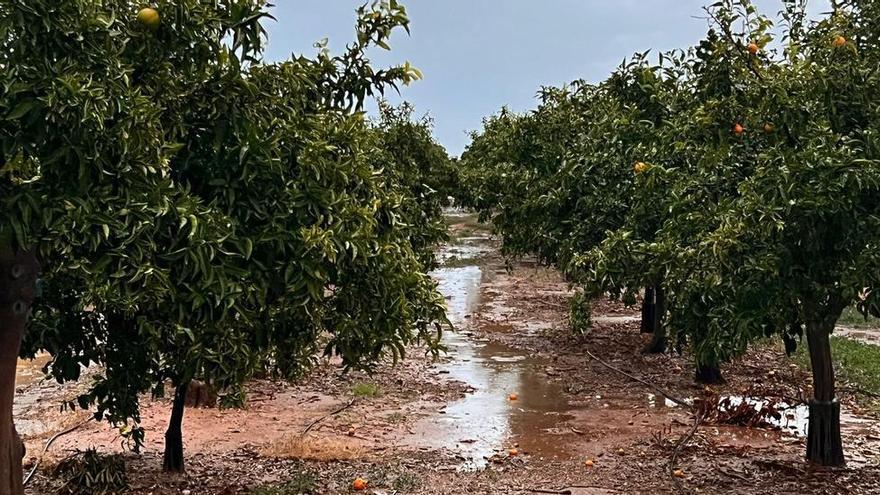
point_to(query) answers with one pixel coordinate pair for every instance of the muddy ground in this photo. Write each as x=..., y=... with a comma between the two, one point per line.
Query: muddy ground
x=450, y=426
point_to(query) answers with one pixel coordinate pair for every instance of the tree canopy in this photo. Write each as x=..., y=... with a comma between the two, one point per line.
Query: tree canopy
x=737, y=178
x=200, y=214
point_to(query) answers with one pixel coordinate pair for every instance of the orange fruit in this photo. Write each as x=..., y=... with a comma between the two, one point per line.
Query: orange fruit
x=839, y=42
x=640, y=167
x=513, y=397
x=513, y=452
x=589, y=463
x=678, y=473
x=738, y=129
x=769, y=128
x=149, y=18
x=753, y=48
x=359, y=484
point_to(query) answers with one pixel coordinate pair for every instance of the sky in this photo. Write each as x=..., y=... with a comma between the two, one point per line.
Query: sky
x=480, y=55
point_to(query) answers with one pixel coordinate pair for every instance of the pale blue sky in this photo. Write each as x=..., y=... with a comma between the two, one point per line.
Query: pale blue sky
x=478, y=55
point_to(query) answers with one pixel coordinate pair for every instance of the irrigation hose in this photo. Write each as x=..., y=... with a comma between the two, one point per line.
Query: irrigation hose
x=49, y=443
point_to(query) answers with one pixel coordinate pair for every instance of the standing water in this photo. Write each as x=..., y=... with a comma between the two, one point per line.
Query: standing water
x=487, y=421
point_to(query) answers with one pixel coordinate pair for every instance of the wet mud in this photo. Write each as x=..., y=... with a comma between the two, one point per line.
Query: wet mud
x=513, y=407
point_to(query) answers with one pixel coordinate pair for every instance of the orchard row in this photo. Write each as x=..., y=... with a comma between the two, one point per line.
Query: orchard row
x=734, y=184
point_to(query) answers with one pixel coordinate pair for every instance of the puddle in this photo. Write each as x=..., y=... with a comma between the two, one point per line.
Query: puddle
x=616, y=320
x=465, y=252
x=487, y=422
x=30, y=372
x=653, y=404
x=32, y=392
x=793, y=419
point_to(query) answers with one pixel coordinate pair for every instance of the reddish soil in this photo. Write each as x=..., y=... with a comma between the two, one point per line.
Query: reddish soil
x=447, y=426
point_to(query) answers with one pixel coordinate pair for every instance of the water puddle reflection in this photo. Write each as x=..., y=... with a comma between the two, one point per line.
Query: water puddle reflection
x=512, y=403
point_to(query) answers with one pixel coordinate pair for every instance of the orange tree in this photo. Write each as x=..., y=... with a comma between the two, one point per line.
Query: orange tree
x=771, y=193
x=556, y=181
x=796, y=241
x=515, y=173
x=511, y=165
x=86, y=186
x=754, y=203
x=701, y=99
x=411, y=158
x=199, y=215
x=603, y=183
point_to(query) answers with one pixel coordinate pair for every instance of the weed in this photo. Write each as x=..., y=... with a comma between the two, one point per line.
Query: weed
x=580, y=319
x=322, y=450
x=363, y=389
x=91, y=473
x=406, y=483
x=396, y=418
x=303, y=483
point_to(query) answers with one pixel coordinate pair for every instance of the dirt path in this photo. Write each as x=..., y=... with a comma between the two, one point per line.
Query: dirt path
x=866, y=335
x=449, y=426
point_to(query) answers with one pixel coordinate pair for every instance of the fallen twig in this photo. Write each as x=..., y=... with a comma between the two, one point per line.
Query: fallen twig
x=564, y=491
x=860, y=391
x=657, y=389
x=322, y=418
x=698, y=418
x=732, y=474
x=781, y=466
x=49, y=444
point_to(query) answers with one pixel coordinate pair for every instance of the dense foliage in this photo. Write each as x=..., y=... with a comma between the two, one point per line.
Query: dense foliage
x=202, y=215
x=411, y=159
x=737, y=180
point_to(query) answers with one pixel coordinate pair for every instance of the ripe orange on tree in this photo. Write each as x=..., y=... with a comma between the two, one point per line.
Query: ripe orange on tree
x=839, y=42
x=738, y=129
x=149, y=18
x=753, y=48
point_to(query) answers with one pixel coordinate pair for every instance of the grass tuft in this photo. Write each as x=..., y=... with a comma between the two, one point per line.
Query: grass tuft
x=856, y=365
x=301, y=484
x=363, y=389
x=406, y=483
x=852, y=318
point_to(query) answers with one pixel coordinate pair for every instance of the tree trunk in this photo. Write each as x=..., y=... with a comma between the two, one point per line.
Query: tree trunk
x=658, y=341
x=648, y=310
x=200, y=394
x=18, y=276
x=708, y=375
x=173, y=459
x=824, y=445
